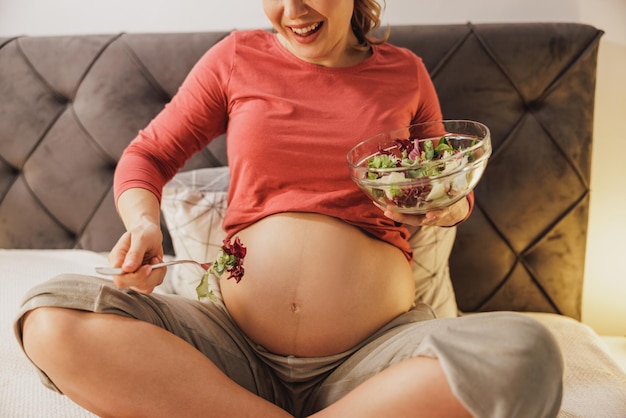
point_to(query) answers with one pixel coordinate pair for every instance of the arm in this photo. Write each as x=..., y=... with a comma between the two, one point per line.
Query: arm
x=194, y=116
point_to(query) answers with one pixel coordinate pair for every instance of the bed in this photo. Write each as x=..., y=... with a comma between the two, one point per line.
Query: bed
x=70, y=104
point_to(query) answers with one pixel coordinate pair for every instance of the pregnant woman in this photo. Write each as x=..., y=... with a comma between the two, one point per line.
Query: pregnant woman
x=324, y=321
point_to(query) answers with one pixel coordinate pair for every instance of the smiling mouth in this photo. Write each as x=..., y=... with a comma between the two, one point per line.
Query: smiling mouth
x=307, y=30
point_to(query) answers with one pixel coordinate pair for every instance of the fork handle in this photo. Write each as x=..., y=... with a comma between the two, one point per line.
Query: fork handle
x=114, y=271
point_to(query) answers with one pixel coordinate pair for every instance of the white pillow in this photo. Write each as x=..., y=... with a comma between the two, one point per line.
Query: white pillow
x=193, y=207
x=432, y=246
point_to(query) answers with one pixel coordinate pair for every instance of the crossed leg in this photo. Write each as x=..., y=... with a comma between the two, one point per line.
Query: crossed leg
x=116, y=366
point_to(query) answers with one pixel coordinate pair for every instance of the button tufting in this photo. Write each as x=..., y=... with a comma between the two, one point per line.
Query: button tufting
x=534, y=105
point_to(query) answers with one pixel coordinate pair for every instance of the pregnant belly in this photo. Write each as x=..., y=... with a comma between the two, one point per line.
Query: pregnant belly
x=315, y=285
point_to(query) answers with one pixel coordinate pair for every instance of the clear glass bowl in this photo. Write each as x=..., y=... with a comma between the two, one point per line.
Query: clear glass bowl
x=421, y=167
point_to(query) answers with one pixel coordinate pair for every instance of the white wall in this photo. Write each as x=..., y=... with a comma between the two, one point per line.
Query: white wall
x=42, y=17
x=604, y=306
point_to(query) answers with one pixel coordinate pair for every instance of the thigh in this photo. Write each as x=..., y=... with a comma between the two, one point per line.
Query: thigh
x=205, y=325
x=497, y=364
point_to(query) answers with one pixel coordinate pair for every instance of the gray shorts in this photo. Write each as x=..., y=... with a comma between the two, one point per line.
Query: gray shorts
x=499, y=364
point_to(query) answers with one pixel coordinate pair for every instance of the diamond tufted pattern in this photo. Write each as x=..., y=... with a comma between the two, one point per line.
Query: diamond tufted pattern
x=69, y=105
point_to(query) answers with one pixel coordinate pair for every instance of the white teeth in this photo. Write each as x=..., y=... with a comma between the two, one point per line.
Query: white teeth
x=304, y=31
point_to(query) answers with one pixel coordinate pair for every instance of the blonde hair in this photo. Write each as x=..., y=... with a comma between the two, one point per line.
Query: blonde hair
x=366, y=19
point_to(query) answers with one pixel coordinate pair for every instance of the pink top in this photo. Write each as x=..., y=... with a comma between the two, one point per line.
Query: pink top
x=289, y=126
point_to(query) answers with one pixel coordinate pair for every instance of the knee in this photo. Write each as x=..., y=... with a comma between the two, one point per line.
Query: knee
x=45, y=331
x=536, y=375
x=537, y=346
x=510, y=356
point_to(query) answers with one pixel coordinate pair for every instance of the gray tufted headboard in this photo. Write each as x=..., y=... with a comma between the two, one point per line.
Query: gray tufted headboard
x=70, y=104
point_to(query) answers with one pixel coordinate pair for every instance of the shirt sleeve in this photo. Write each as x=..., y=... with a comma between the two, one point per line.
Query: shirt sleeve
x=197, y=113
x=429, y=108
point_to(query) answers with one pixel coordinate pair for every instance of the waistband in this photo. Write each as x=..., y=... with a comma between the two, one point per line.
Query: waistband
x=295, y=369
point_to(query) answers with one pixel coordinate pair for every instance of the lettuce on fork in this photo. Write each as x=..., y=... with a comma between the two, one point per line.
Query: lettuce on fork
x=230, y=260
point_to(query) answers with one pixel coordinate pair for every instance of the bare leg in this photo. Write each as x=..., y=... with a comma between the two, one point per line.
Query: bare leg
x=413, y=388
x=116, y=366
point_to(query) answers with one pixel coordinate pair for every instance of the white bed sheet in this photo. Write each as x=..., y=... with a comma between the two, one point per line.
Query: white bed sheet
x=617, y=348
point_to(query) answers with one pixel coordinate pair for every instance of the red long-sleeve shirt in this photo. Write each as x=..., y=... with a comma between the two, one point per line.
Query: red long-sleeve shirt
x=289, y=126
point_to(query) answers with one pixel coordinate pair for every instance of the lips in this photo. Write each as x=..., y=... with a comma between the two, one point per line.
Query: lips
x=304, y=31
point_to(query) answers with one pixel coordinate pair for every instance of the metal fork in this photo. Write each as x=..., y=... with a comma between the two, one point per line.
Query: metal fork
x=112, y=271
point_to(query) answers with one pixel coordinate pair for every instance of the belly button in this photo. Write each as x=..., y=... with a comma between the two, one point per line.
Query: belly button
x=295, y=308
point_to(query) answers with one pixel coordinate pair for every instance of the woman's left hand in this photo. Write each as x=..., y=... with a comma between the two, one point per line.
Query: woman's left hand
x=448, y=216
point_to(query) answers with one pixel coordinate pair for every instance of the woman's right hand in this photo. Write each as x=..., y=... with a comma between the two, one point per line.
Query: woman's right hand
x=141, y=244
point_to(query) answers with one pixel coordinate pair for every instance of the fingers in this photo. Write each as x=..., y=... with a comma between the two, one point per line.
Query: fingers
x=137, y=279
x=143, y=280
x=119, y=250
x=444, y=217
x=133, y=252
x=429, y=218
